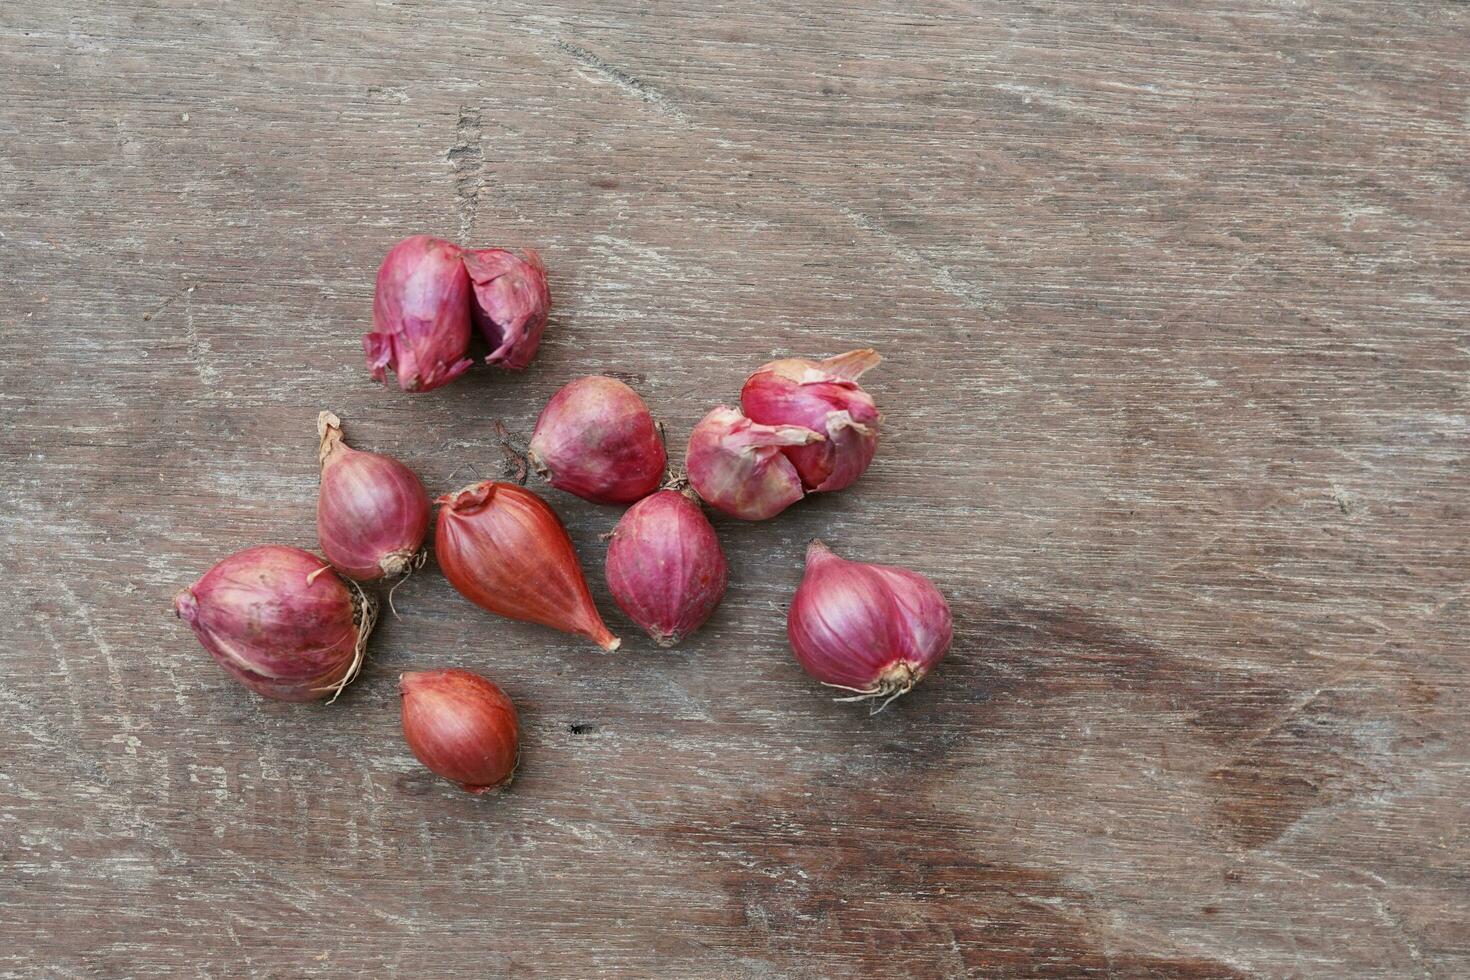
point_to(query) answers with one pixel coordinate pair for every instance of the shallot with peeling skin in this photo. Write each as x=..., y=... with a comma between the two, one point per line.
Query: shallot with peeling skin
x=823, y=396
x=505, y=550
x=461, y=726
x=280, y=621
x=372, y=512
x=875, y=630
x=511, y=301
x=738, y=465
x=665, y=566
x=421, y=315
x=597, y=439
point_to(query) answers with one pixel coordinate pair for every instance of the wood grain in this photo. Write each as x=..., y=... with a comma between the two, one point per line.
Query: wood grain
x=1174, y=302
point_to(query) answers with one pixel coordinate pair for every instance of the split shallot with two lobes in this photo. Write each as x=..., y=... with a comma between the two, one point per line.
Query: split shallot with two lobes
x=597, y=439
x=875, y=630
x=281, y=622
x=461, y=726
x=372, y=512
x=428, y=294
x=505, y=550
x=665, y=566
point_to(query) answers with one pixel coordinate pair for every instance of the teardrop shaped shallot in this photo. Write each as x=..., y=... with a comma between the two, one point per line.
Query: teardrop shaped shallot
x=461, y=726
x=511, y=301
x=875, y=630
x=665, y=566
x=372, y=512
x=738, y=466
x=823, y=396
x=597, y=439
x=505, y=550
x=280, y=621
x=421, y=315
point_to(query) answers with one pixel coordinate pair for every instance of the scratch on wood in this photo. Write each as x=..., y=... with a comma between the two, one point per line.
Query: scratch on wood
x=200, y=352
x=629, y=83
x=467, y=157
x=166, y=304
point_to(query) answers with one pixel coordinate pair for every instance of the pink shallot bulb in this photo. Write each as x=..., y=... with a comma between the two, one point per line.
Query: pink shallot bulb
x=510, y=303
x=875, y=630
x=823, y=396
x=597, y=439
x=738, y=466
x=461, y=726
x=421, y=315
x=372, y=512
x=280, y=621
x=665, y=566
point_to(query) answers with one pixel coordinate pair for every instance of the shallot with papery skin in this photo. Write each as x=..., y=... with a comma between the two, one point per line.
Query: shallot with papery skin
x=875, y=630
x=597, y=439
x=372, y=512
x=665, y=567
x=511, y=300
x=738, y=466
x=280, y=621
x=421, y=315
x=505, y=550
x=461, y=726
x=823, y=396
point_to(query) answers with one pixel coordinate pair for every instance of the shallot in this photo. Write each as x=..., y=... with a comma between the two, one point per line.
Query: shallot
x=511, y=300
x=461, y=726
x=372, y=512
x=665, y=567
x=823, y=396
x=421, y=315
x=875, y=630
x=597, y=439
x=280, y=621
x=738, y=466
x=505, y=550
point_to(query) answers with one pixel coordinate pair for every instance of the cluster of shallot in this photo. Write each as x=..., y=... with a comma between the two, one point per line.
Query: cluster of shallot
x=293, y=626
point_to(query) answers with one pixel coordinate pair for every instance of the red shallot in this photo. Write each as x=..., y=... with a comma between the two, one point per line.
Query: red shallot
x=461, y=726
x=421, y=315
x=738, y=467
x=597, y=439
x=280, y=621
x=510, y=303
x=505, y=550
x=875, y=630
x=823, y=396
x=372, y=512
x=665, y=567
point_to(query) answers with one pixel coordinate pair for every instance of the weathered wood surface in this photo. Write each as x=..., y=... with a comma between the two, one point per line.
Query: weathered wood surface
x=1174, y=302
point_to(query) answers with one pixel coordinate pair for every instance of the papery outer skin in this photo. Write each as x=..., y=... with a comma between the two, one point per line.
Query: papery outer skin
x=421, y=315
x=737, y=465
x=597, y=439
x=511, y=301
x=823, y=396
x=852, y=624
x=372, y=511
x=505, y=550
x=665, y=566
x=460, y=726
x=273, y=626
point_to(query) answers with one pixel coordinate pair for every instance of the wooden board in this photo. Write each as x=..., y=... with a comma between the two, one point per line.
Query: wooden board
x=1174, y=302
